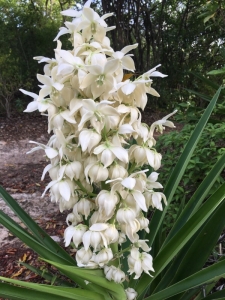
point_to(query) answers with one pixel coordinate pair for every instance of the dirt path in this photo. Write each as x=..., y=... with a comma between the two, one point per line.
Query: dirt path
x=20, y=173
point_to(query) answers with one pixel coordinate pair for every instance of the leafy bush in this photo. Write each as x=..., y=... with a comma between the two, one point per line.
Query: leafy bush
x=210, y=148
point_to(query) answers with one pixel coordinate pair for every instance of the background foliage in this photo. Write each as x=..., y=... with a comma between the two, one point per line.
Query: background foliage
x=183, y=36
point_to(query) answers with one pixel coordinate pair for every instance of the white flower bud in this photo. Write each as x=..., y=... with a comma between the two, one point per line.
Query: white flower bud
x=154, y=199
x=157, y=160
x=111, y=234
x=83, y=207
x=106, y=201
x=125, y=215
x=65, y=205
x=89, y=139
x=96, y=172
x=75, y=232
x=74, y=170
x=83, y=257
x=143, y=223
x=131, y=230
x=139, y=262
x=103, y=256
x=74, y=219
x=131, y=294
x=95, y=237
x=114, y=274
x=117, y=171
x=97, y=218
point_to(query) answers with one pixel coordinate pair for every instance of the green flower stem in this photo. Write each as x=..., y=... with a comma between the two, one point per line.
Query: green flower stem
x=132, y=168
x=116, y=261
x=123, y=251
x=83, y=188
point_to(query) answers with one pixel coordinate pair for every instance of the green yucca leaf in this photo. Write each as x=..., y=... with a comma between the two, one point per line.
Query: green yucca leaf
x=33, y=227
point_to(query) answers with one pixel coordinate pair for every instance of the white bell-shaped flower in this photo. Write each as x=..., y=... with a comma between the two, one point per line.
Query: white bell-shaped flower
x=144, y=223
x=83, y=257
x=89, y=139
x=154, y=199
x=76, y=233
x=125, y=215
x=114, y=274
x=83, y=207
x=106, y=201
x=131, y=230
x=131, y=294
x=97, y=172
x=94, y=236
x=103, y=256
x=139, y=262
x=111, y=234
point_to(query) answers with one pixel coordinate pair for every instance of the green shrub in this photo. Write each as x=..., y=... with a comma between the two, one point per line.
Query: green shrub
x=209, y=149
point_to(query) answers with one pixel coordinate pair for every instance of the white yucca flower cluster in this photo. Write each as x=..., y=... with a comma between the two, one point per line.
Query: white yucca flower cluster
x=99, y=146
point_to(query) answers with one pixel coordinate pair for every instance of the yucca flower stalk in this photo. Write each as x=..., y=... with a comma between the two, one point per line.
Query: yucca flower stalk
x=102, y=165
x=96, y=171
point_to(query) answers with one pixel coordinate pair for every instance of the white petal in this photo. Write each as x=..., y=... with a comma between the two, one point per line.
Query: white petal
x=65, y=69
x=51, y=153
x=88, y=3
x=84, y=119
x=111, y=66
x=63, y=30
x=128, y=63
x=75, y=105
x=84, y=139
x=66, y=115
x=99, y=227
x=44, y=79
x=95, y=69
x=89, y=104
x=105, y=16
x=153, y=176
x=157, y=74
x=45, y=91
x=89, y=13
x=86, y=239
x=99, y=149
x=67, y=56
x=32, y=106
x=58, y=86
x=150, y=157
x=46, y=169
x=71, y=13
x=64, y=190
x=129, y=48
x=88, y=80
x=120, y=153
x=129, y=183
x=128, y=88
x=107, y=158
x=68, y=234
x=125, y=128
x=153, y=92
x=140, y=199
x=33, y=95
